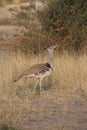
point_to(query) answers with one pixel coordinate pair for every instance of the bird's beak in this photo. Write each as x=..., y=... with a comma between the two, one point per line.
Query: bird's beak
x=54, y=47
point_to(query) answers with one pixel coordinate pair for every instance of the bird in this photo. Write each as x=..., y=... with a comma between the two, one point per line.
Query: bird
x=40, y=71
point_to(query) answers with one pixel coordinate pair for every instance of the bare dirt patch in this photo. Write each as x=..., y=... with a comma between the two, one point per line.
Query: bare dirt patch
x=5, y=13
x=46, y=111
x=12, y=30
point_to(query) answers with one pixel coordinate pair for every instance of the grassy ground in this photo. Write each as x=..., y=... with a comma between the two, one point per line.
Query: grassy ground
x=23, y=109
x=70, y=71
x=61, y=105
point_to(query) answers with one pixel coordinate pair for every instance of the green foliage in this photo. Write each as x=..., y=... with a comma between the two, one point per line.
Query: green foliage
x=32, y=43
x=67, y=18
x=6, y=127
x=22, y=15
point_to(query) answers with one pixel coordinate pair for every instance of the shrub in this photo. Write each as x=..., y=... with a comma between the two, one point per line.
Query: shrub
x=6, y=127
x=68, y=20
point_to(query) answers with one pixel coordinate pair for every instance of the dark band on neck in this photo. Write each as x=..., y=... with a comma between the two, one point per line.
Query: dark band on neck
x=49, y=66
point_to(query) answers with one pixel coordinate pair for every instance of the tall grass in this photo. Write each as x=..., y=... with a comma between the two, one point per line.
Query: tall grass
x=70, y=75
x=70, y=72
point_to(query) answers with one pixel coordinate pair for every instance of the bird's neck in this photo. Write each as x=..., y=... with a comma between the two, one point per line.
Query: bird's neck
x=51, y=59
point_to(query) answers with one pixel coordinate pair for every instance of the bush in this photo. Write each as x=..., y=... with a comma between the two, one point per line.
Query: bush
x=6, y=127
x=68, y=20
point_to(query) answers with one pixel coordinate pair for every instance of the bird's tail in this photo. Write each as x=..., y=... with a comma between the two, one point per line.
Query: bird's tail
x=16, y=79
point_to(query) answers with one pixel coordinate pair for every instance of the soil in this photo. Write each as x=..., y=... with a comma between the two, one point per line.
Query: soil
x=48, y=111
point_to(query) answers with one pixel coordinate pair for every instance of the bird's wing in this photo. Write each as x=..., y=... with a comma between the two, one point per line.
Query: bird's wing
x=35, y=69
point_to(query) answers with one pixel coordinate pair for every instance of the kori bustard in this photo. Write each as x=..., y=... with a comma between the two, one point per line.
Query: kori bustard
x=39, y=71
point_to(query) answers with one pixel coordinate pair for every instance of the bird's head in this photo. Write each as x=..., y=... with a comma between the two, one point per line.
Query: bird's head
x=51, y=48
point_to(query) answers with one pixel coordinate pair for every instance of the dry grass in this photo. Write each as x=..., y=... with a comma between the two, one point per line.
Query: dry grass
x=70, y=74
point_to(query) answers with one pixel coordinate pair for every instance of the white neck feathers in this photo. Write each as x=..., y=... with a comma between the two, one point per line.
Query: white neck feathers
x=51, y=59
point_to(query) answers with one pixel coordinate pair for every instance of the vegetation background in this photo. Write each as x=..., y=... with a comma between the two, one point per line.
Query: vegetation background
x=67, y=20
x=24, y=32
x=61, y=22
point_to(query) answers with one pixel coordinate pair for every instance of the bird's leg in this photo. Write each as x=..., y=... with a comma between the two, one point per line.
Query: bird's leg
x=40, y=81
x=36, y=84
